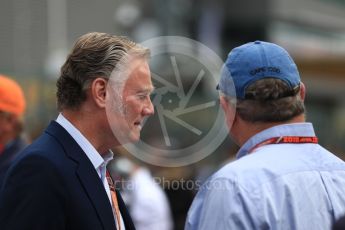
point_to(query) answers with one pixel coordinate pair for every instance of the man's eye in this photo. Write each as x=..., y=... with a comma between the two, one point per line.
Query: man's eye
x=141, y=96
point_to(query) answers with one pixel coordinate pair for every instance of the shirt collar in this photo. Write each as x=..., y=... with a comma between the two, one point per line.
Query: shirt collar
x=108, y=157
x=295, y=129
x=90, y=151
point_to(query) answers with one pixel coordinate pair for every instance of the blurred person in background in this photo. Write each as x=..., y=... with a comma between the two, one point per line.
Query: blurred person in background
x=146, y=200
x=282, y=178
x=60, y=181
x=12, y=107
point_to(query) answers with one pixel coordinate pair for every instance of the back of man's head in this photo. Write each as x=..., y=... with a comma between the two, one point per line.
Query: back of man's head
x=265, y=81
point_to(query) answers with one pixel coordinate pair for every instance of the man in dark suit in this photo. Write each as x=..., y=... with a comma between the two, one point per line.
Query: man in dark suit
x=60, y=181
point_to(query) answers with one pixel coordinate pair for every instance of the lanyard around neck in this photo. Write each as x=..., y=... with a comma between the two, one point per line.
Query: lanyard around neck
x=286, y=140
x=115, y=204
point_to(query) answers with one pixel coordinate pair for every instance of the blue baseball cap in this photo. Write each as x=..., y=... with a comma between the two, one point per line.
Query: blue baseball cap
x=254, y=61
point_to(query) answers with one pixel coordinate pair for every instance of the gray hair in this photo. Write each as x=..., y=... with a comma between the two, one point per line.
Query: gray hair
x=93, y=55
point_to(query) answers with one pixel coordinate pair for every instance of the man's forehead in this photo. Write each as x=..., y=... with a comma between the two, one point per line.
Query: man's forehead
x=137, y=63
x=140, y=82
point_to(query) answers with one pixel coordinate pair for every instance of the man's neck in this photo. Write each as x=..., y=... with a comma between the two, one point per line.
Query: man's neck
x=248, y=129
x=89, y=126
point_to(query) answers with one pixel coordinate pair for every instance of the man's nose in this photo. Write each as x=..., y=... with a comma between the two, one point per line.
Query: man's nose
x=149, y=109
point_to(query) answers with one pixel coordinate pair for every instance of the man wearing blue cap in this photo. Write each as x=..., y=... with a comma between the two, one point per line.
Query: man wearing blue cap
x=282, y=178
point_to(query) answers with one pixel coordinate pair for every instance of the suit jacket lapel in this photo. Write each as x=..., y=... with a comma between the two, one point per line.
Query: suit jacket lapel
x=87, y=175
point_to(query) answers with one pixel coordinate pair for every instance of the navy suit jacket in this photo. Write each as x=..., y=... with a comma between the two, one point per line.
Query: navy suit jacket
x=53, y=185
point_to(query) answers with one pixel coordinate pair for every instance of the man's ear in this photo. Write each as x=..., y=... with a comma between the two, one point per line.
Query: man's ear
x=226, y=105
x=229, y=111
x=223, y=103
x=98, y=91
x=302, y=91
